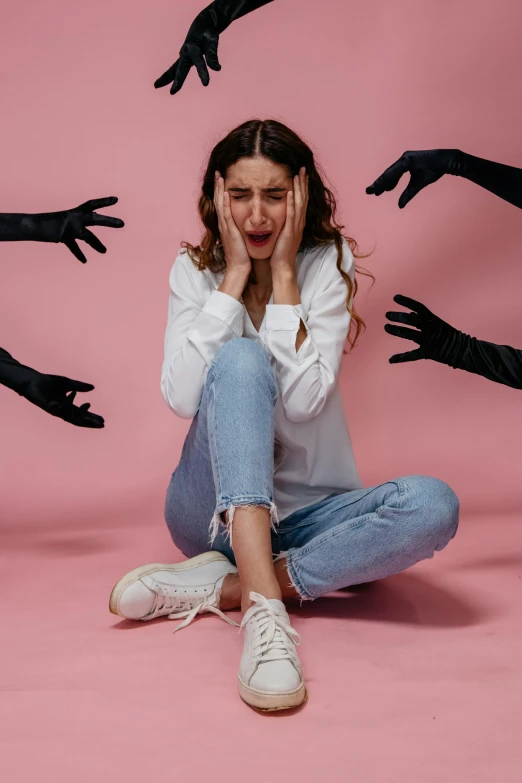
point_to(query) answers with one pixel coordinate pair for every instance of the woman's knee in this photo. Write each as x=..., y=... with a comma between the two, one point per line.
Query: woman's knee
x=437, y=506
x=242, y=353
x=242, y=359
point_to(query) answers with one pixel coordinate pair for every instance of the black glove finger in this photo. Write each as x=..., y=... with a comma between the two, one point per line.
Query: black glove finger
x=412, y=319
x=415, y=185
x=389, y=178
x=211, y=55
x=409, y=356
x=79, y=386
x=96, y=203
x=75, y=250
x=407, y=334
x=69, y=398
x=103, y=220
x=80, y=417
x=195, y=56
x=202, y=70
x=168, y=76
x=90, y=420
x=85, y=406
x=417, y=307
x=92, y=240
x=185, y=64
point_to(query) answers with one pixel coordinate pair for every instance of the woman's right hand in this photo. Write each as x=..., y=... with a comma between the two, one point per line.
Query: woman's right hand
x=234, y=248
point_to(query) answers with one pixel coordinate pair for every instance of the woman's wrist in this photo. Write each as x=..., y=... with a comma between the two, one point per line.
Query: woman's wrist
x=234, y=283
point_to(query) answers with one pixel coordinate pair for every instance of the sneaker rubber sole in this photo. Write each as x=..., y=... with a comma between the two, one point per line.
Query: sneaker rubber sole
x=137, y=573
x=270, y=702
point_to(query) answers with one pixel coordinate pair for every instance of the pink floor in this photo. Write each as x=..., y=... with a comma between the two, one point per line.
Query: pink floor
x=413, y=679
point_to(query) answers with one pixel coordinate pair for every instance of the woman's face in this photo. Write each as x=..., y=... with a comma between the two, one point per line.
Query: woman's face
x=258, y=189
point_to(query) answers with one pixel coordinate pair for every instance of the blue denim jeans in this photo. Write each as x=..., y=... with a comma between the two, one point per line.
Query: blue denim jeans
x=346, y=539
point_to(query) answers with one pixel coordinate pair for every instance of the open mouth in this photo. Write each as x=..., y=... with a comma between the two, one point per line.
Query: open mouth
x=259, y=239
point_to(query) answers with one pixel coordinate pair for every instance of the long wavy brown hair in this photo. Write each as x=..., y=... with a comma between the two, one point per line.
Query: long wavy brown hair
x=278, y=143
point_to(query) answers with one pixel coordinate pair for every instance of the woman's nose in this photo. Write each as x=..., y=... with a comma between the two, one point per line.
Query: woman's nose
x=257, y=216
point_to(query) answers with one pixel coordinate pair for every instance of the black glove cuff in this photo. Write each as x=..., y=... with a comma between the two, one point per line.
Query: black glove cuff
x=227, y=11
x=44, y=227
x=14, y=375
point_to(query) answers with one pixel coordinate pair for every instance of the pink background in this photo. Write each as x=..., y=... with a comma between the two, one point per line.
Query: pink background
x=362, y=82
x=414, y=679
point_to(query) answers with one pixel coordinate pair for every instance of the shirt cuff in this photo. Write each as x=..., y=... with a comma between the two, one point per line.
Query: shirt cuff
x=228, y=309
x=284, y=317
x=284, y=320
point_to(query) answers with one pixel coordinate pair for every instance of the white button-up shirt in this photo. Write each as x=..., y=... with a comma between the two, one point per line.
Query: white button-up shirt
x=313, y=455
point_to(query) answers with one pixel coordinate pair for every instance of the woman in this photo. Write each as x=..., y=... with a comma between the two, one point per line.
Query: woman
x=258, y=317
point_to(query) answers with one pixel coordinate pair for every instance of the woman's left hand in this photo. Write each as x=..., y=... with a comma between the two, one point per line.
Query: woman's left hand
x=289, y=240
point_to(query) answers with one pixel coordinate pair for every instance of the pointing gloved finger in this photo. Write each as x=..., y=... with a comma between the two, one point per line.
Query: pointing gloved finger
x=409, y=356
x=389, y=178
x=211, y=54
x=415, y=185
x=80, y=386
x=168, y=76
x=75, y=250
x=103, y=220
x=407, y=334
x=201, y=67
x=406, y=301
x=81, y=418
x=97, y=203
x=90, y=420
x=92, y=240
x=185, y=64
x=412, y=319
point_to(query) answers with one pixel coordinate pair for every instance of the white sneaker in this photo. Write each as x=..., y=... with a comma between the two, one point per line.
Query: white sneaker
x=270, y=676
x=177, y=590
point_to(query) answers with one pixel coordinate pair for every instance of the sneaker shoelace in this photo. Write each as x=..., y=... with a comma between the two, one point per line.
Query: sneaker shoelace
x=272, y=636
x=164, y=600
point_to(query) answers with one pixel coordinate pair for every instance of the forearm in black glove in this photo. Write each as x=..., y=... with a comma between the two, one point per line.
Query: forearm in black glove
x=53, y=393
x=440, y=342
x=202, y=41
x=66, y=226
x=427, y=166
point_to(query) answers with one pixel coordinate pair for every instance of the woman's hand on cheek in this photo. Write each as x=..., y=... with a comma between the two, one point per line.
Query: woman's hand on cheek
x=234, y=248
x=289, y=240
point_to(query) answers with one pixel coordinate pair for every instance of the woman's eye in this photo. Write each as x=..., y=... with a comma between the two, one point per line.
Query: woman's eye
x=274, y=198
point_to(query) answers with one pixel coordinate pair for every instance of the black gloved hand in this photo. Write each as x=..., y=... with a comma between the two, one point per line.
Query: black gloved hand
x=432, y=334
x=66, y=226
x=443, y=343
x=52, y=393
x=425, y=167
x=202, y=41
